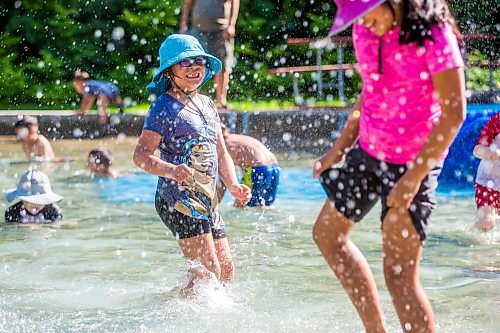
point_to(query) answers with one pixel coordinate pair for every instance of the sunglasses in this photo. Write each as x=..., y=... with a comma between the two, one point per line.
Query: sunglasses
x=188, y=62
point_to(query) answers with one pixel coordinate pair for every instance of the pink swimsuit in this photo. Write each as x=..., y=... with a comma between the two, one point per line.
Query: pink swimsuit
x=400, y=106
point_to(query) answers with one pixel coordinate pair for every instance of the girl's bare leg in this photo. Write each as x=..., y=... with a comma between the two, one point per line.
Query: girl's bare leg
x=331, y=234
x=225, y=259
x=486, y=217
x=102, y=106
x=402, y=252
x=201, y=249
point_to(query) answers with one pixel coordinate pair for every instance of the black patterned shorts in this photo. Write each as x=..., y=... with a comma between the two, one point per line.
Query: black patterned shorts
x=183, y=226
x=362, y=180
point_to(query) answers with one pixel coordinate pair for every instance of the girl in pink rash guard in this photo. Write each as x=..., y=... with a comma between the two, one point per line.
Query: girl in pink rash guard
x=410, y=109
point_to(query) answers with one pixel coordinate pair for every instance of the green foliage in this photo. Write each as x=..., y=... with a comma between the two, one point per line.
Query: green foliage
x=43, y=42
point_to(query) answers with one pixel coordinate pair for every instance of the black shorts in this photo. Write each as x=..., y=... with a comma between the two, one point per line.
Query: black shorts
x=358, y=184
x=183, y=226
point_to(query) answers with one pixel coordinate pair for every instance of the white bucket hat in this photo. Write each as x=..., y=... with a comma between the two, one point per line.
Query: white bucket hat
x=34, y=187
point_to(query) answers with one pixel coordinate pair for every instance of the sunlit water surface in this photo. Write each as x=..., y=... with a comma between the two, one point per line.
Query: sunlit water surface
x=115, y=268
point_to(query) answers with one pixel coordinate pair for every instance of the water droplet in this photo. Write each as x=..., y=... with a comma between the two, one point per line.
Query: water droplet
x=350, y=204
x=77, y=133
x=121, y=137
x=424, y=75
x=118, y=33
x=130, y=68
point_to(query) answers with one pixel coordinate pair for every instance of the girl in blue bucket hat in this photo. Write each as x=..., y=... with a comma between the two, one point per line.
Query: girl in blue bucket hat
x=185, y=126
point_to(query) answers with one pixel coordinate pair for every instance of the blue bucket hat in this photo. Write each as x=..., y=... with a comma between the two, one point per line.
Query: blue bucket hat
x=173, y=50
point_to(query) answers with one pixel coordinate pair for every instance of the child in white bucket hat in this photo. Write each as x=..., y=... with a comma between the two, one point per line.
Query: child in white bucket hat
x=37, y=203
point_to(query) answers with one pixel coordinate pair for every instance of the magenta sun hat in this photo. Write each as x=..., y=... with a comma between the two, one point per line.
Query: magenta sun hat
x=349, y=11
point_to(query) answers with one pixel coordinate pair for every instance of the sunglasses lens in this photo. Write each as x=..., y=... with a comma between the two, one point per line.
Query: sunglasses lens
x=186, y=62
x=200, y=61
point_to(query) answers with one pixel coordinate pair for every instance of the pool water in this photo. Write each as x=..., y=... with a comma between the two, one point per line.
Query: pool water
x=115, y=268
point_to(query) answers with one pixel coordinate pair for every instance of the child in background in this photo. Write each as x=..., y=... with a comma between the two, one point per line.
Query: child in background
x=411, y=107
x=36, y=146
x=104, y=92
x=99, y=162
x=37, y=203
x=488, y=174
x=185, y=127
x=260, y=168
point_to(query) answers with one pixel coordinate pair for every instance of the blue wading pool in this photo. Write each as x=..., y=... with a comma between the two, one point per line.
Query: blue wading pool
x=115, y=268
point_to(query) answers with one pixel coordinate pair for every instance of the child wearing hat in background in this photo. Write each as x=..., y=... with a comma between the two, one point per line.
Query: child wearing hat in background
x=411, y=108
x=38, y=202
x=185, y=126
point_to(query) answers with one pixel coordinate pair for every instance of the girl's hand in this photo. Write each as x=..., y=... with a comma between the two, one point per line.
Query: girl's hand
x=181, y=173
x=403, y=192
x=229, y=32
x=325, y=162
x=241, y=193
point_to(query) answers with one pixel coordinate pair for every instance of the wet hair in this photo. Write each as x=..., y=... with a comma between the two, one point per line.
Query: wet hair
x=420, y=16
x=101, y=157
x=26, y=122
x=80, y=75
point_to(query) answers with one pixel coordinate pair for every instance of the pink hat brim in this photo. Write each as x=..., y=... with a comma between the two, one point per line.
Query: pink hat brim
x=350, y=12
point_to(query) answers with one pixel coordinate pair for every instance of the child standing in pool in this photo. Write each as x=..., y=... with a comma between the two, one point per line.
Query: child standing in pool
x=488, y=174
x=185, y=126
x=411, y=107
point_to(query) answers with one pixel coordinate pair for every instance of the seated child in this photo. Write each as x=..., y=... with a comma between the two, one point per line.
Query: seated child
x=260, y=167
x=99, y=162
x=104, y=92
x=37, y=203
x=35, y=146
x=488, y=174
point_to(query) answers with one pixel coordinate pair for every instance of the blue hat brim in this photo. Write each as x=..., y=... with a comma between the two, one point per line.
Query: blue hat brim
x=160, y=84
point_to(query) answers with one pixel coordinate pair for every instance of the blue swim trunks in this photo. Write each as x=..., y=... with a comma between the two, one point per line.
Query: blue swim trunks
x=263, y=180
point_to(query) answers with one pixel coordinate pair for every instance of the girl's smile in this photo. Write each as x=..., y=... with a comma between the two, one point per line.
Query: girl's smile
x=188, y=78
x=194, y=75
